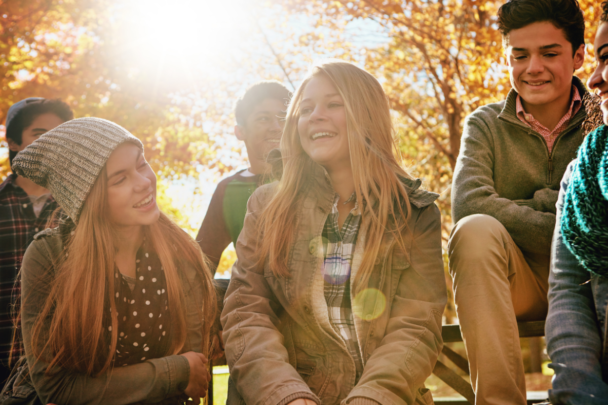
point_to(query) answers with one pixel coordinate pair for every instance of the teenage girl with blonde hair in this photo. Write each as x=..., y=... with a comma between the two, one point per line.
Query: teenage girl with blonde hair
x=117, y=302
x=338, y=290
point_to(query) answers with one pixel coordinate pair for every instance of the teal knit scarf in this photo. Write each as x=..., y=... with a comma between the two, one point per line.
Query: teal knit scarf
x=584, y=222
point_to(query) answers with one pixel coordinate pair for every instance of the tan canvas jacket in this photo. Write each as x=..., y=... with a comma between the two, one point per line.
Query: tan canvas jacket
x=279, y=342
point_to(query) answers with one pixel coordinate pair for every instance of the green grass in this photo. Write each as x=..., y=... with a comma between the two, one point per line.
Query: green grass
x=220, y=385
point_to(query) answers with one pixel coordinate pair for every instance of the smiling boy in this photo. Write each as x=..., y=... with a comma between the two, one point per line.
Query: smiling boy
x=506, y=183
x=260, y=115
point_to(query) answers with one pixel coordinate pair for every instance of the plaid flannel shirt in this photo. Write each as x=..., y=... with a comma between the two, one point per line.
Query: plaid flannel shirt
x=338, y=248
x=18, y=225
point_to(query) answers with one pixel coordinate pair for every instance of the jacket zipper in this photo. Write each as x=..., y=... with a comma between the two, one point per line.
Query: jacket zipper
x=550, y=161
x=550, y=166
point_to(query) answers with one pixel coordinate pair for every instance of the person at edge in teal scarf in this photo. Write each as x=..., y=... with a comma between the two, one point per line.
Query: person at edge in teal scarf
x=578, y=282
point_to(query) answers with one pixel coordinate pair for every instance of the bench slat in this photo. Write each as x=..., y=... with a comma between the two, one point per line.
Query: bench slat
x=455, y=381
x=451, y=333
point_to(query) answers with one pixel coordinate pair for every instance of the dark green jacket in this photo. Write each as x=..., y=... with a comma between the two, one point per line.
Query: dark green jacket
x=505, y=170
x=148, y=382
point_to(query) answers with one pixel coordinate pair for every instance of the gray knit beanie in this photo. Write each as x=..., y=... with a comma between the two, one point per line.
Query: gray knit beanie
x=68, y=159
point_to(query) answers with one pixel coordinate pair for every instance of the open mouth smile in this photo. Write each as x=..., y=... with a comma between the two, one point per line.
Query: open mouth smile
x=318, y=135
x=146, y=202
x=603, y=96
x=536, y=84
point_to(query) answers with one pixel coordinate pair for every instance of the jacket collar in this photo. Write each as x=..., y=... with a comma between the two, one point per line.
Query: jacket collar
x=9, y=180
x=509, y=111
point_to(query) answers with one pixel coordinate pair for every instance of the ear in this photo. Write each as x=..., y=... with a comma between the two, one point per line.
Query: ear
x=239, y=131
x=12, y=145
x=579, y=57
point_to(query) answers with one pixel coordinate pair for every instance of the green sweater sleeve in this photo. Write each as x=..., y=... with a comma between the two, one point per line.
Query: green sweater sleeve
x=473, y=192
x=544, y=200
x=150, y=381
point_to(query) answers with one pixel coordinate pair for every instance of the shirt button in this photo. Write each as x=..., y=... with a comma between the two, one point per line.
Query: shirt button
x=24, y=205
x=36, y=230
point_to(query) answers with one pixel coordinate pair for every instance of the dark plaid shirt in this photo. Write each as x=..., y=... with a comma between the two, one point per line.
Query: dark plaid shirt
x=338, y=249
x=18, y=225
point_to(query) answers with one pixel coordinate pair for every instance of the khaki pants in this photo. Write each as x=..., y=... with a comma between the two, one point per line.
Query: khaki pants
x=495, y=285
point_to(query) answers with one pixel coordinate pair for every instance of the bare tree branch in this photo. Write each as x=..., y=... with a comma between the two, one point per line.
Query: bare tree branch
x=276, y=55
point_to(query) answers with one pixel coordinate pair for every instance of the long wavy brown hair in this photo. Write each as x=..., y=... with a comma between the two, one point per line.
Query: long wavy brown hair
x=375, y=164
x=74, y=338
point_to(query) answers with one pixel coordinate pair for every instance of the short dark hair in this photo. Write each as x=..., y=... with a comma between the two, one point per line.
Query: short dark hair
x=26, y=116
x=563, y=14
x=257, y=93
x=604, y=15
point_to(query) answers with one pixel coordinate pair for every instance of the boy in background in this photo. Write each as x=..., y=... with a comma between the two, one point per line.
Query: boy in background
x=260, y=115
x=25, y=209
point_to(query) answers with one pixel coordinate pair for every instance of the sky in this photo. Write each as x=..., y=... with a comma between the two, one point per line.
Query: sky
x=239, y=47
x=191, y=43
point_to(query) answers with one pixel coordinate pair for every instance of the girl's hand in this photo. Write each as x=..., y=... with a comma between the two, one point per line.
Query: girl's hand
x=302, y=401
x=199, y=376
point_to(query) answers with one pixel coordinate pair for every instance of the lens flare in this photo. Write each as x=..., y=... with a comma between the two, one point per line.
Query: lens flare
x=369, y=304
x=315, y=246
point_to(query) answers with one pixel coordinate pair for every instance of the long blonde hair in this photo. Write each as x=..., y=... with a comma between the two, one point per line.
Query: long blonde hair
x=84, y=282
x=375, y=166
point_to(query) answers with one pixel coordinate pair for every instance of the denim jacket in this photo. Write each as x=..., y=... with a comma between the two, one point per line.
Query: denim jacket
x=576, y=324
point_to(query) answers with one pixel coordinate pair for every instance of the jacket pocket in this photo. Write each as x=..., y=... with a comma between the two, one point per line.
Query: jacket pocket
x=424, y=397
x=305, y=365
x=399, y=260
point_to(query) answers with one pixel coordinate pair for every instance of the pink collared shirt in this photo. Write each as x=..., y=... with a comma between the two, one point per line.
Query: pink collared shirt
x=550, y=136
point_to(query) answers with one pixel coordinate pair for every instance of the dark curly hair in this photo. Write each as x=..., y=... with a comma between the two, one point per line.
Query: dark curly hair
x=594, y=118
x=563, y=14
x=604, y=15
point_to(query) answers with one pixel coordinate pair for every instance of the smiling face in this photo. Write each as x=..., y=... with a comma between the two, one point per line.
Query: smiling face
x=131, y=188
x=263, y=128
x=322, y=124
x=599, y=79
x=541, y=65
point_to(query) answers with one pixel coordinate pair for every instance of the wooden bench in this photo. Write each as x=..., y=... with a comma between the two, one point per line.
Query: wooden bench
x=451, y=333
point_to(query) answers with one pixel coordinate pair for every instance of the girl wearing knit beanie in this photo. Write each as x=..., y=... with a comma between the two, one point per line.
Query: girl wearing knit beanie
x=578, y=283
x=117, y=302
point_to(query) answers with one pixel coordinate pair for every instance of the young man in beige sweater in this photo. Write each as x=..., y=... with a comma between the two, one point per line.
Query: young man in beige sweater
x=506, y=182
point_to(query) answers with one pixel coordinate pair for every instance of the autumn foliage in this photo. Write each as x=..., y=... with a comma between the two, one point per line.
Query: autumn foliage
x=438, y=61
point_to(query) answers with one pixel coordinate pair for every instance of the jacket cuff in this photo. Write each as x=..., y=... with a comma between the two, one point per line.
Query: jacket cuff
x=363, y=401
x=299, y=395
x=179, y=374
